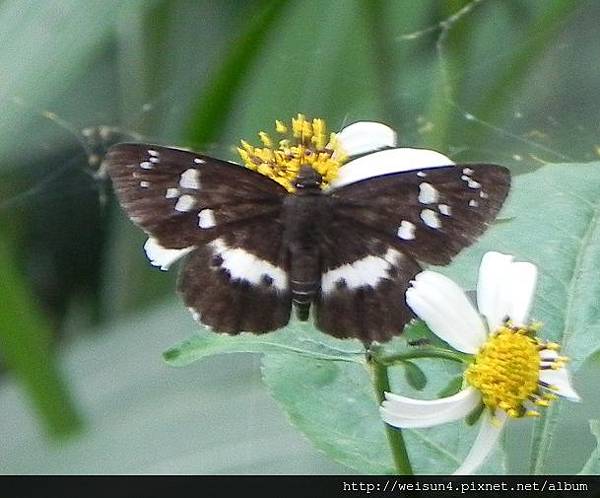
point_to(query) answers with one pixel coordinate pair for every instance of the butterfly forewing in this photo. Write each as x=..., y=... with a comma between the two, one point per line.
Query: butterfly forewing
x=184, y=199
x=235, y=278
x=433, y=212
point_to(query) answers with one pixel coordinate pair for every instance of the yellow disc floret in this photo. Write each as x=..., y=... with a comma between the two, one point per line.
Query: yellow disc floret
x=304, y=143
x=506, y=371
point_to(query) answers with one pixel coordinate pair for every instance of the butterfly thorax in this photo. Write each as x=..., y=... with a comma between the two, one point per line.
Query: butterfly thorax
x=304, y=213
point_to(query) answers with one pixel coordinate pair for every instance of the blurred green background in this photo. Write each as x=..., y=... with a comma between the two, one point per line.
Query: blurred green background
x=84, y=318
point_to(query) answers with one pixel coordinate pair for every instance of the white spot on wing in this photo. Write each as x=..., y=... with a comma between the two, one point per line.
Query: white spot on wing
x=245, y=266
x=364, y=272
x=144, y=184
x=185, y=203
x=197, y=160
x=431, y=218
x=154, y=160
x=467, y=171
x=483, y=195
x=406, y=230
x=146, y=165
x=152, y=152
x=473, y=203
x=172, y=193
x=421, y=174
x=445, y=209
x=195, y=315
x=161, y=256
x=206, y=218
x=190, y=178
x=427, y=193
x=473, y=184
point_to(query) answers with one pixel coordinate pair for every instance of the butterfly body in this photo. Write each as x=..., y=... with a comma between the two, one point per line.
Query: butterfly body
x=344, y=254
x=305, y=217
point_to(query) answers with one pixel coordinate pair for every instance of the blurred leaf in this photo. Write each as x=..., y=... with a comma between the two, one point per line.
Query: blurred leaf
x=210, y=112
x=414, y=375
x=553, y=17
x=452, y=387
x=592, y=466
x=556, y=227
x=295, y=339
x=26, y=346
x=326, y=71
x=45, y=47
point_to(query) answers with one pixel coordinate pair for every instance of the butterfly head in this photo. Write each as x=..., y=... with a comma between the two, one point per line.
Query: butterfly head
x=303, y=146
x=307, y=180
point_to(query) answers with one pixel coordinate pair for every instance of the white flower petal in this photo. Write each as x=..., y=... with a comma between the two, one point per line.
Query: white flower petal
x=161, y=256
x=365, y=136
x=521, y=289
x=400, y=411
x=490, y=298
x=505, y=289
x=388, y=161
x=445, y=308
x=489, y=432
x=560, y=379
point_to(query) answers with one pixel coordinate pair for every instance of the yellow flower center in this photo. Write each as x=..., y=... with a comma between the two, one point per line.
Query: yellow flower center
x=506, y=371
x=305, y=143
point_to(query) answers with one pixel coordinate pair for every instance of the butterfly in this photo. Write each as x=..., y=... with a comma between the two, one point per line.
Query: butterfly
x=332, y=225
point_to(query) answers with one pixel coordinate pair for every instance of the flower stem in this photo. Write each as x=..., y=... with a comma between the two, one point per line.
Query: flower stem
x=424, y=353
x=381, y=383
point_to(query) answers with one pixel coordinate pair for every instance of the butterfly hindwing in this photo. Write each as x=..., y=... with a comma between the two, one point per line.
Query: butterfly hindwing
x=434, y=212
x=184, y=199
x=238, y=282
x=364, y=277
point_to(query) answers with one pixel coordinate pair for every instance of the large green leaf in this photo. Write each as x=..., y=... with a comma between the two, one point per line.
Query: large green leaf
x=298, y=339
x=334, y=404
x=592, y=466
x=555, y=224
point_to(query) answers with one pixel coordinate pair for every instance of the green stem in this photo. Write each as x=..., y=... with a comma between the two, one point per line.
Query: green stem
x=381, y=383
x=424, y=353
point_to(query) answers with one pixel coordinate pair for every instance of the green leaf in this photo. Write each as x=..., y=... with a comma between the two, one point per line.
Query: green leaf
x=556, y=225
x=592, y=466
x=208, y=115
x=474, y=416
x=334, y=404
x=297, y=338
x=451, y=388
x=26, y=346
x=414, y=375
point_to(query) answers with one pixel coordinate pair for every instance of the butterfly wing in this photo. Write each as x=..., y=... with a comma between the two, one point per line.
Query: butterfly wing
x=364, y=279
x=226, y=216
x=183, y=198
x=434, y=213
x=238, y=282
x=380, y=227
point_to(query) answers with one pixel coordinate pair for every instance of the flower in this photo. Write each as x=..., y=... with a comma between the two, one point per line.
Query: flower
x=512, y=371
x=361, y=150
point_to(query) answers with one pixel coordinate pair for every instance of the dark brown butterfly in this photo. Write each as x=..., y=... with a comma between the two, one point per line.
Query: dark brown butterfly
x=346, y=245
